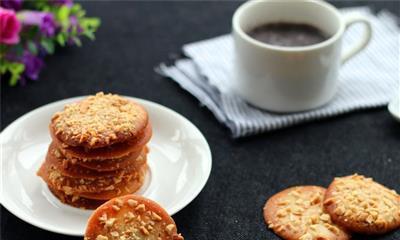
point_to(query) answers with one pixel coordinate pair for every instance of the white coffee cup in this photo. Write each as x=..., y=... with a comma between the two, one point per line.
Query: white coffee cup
x=288, y=79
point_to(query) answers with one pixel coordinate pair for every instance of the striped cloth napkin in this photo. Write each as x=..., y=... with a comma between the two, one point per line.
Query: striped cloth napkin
x=368, y=80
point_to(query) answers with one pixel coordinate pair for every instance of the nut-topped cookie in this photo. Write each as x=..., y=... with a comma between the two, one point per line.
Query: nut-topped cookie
x=297, y=214
x=72, y=168
x=362, y=205
x=114, y=151
x=131, y=217
x=99, y=121
x=54, y=177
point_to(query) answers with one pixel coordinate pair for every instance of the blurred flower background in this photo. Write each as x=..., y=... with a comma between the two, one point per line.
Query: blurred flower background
x=31, y=30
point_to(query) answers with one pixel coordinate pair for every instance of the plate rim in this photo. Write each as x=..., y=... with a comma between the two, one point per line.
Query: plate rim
x=30, y=220
x=395, y=102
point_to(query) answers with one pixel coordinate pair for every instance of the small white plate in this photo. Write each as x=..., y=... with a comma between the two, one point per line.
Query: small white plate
x=179, y=161
x=394, y=108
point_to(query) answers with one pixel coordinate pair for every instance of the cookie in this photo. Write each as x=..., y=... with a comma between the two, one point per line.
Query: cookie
x=362, y=205
x=77, y=201
x=113, y=164
x=72, y=168
x=91, y=200
x=123, y=188
x=297, y=214
x=99, y=121
x=115, y=151
x=131, y=217
x=53, y=177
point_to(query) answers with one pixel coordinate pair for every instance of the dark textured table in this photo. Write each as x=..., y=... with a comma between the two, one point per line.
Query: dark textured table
x=135, y=37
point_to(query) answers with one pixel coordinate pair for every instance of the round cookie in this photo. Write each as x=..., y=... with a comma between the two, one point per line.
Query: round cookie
x=99, y=121
x=91, y=200
x=297, y=214
x=115, y=151
x=362, y=205
x=76, y=201
x=131, y=217
x=113, y=164
x=53, y=176
x=72, y=168
x=69, y=169
x=127, y=187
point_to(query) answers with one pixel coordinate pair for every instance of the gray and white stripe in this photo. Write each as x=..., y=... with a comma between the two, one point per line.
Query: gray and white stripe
x=369, y=80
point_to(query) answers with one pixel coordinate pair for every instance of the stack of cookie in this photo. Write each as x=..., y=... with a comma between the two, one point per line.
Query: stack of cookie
x=351, y=204
x=98, y=150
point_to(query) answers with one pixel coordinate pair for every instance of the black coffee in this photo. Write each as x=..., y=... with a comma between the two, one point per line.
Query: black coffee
x=288, y=34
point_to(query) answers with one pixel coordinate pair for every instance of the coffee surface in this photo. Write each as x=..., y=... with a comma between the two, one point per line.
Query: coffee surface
x=288, y=34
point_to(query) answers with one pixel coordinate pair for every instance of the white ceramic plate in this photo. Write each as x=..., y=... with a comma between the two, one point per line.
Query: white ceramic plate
x=179, y=161
x=394, y=108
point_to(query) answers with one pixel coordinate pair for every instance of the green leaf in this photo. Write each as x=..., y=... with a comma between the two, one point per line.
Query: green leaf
x=32, y=47
x=77, y=41
x=3, y=67
x=89, y=35
x=91, y=22
x=63, y=16
x=76, y=8
x=48, y=45
x=16, y=69
x=61, y=39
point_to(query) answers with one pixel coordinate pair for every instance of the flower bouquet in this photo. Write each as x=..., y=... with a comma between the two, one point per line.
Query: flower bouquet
x=30, y=30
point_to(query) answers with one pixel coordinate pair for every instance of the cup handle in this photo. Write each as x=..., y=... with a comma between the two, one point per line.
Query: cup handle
x=363, y=42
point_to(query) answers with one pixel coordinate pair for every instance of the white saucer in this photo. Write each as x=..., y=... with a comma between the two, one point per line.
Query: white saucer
x=394, y=108
x=179, y=161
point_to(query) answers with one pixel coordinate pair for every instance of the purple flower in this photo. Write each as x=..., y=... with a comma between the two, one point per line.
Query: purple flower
x=33, y=65
x=11, y=4
x=44, y=20
x=73, y=22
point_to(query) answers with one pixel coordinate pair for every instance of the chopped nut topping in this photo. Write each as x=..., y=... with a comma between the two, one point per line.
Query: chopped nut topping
x=119, y=202
x=325, y=217
x=116, y=208
x=361, y=199
x=144, y=230
x=170, y=228
x=132, y=203
x=271, y=225
x=98, y=119
x=57, y=153
x=110, y=222
x=101, y=237
x=141, y=208
x=302, y=213
x=129, y=215
x=155, y=216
